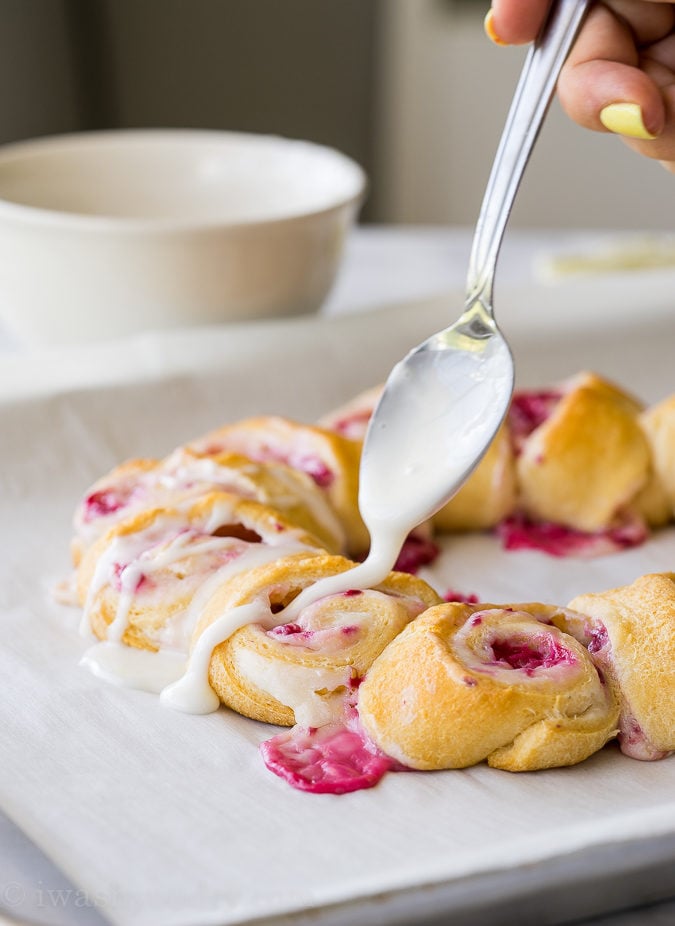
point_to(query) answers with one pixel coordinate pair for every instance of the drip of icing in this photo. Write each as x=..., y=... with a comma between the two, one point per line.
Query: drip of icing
x=152, y=671
x=134, y=668
x=192, y=693
x=384, y=550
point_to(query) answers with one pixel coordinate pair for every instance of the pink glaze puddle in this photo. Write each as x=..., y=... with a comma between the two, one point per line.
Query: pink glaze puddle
x=328, y=760
x=542, y=652
x=453, y=595
x=518, y=533
x=528, y=411
x=416, y=552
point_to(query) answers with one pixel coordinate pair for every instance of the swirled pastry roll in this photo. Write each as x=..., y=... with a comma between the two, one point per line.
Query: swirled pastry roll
x=137, y=582
x=332, y=461
x=581, y=453
x=630, y=634
x=464, y=683
x=284, y=673
x=141, y=484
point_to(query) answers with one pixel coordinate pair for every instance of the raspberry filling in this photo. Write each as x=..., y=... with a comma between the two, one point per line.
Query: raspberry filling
x=599, y=639
x=541, y=652
x=519, y=533
x=416, y=552
x=325, y=760
x=453, y=595
x=314, y=467
x=101, y=503
x=528, y=411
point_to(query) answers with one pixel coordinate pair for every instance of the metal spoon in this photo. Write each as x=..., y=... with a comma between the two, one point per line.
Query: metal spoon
x=444, y=402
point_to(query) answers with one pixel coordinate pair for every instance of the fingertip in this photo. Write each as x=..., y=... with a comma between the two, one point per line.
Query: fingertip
x=490, y=31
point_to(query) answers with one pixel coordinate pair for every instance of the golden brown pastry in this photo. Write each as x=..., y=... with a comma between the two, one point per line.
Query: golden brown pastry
x=489, y=494
x=582, y=457
x=630, y=634
x=464, y=683
x=141, y=484
x=284, y=673
x=137, y=582
x=331, y=460
x=658, y=423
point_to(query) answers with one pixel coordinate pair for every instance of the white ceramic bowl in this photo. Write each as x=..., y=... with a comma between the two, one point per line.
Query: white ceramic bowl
x=107, y=233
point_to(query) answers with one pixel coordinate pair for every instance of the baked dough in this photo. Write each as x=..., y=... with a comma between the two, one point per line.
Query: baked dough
x=587, y=460
x=630, y=634
x=273, y=673
x=489, y=494
x=658, y=423
x=465, y=683
x=331, y=460
x=140, y=484
x=137, y=582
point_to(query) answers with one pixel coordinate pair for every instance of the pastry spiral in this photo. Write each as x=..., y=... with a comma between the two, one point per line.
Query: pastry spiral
x=137, y=581
x=285, y=673
x=463, y=684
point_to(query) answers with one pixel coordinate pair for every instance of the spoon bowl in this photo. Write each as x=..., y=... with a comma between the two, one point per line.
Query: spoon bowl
x=440, y=410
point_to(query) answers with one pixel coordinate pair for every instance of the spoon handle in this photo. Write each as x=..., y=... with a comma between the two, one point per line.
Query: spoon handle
x=531, y=100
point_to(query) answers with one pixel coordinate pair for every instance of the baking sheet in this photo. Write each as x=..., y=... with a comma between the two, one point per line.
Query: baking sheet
x=172, y=820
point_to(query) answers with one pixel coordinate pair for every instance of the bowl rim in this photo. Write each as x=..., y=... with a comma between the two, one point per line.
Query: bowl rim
x=45, y=217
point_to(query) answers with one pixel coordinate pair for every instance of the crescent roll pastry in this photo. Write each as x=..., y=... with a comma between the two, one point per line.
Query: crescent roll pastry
x=581, y=453
x=284, y=673
x=630, y=634
x=137, y=582
x=331, y=460
x=658, y=423
x=140, y=484
x=489, y=494
x=352, y=419
x=466, y=683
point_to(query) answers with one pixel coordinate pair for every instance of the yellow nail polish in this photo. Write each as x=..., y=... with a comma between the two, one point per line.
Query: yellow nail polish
x=625, y=119
x=489, y=26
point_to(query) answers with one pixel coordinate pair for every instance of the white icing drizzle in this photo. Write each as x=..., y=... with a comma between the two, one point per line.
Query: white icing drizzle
x=297, y=687
x=192, y=693
x=384, y=551
x=129, y=667
x=121, y=664
x=178, y=632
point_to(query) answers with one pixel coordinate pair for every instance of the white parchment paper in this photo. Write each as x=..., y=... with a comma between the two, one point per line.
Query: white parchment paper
x=172, y=820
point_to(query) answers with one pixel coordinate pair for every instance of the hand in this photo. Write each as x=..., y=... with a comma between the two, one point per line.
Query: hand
x=620, y=75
